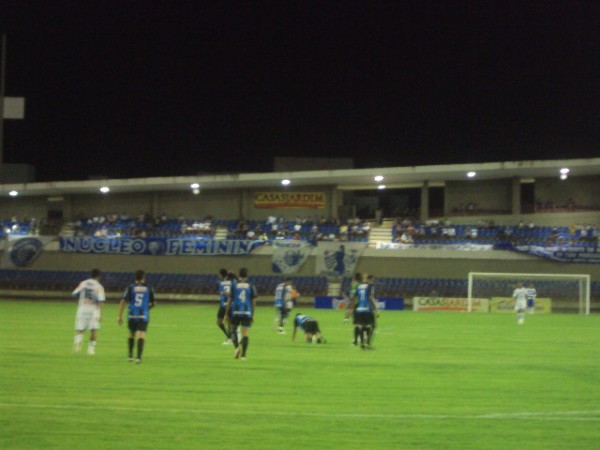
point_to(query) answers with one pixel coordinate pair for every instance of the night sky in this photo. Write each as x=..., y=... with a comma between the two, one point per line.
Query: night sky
x=177, y=88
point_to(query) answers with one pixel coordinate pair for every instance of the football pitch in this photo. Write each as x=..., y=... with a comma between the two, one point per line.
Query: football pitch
x=433, y=381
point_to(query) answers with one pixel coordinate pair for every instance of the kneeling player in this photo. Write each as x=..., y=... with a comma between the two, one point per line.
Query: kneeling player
x=140, y=297
x=310, y=327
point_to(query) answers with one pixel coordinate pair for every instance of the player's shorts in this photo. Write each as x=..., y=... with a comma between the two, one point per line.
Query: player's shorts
x=87, y=321
x=520, y=305
x=311, y=326
x=221, y=312
x=530, y=303
x=241, y=321
x=364, y=319
x=137, y=325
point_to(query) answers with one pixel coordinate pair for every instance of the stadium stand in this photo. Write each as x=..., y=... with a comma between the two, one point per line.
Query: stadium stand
x=111, y=225
x=485, y=233
x=17, y=227
x=201, y=284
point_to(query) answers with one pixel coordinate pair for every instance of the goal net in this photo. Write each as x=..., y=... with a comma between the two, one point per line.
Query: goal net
x=553, y=292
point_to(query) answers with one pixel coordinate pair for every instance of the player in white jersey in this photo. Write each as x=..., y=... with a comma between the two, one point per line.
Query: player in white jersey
x=520, y=297
x=89, y=312
x=531, y=295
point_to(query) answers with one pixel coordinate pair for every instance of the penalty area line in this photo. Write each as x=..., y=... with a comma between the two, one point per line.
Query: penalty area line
x=593, y=415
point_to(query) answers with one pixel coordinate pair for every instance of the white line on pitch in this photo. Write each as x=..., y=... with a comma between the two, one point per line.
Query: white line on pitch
x=593, y=415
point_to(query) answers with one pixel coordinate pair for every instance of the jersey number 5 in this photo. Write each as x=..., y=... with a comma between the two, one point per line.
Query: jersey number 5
x=139, y=299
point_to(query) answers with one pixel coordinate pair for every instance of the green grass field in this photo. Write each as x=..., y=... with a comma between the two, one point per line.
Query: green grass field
x=434, y=380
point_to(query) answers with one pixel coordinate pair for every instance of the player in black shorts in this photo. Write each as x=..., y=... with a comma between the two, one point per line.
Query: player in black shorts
x=310, y=326
x=224, y=289
x=139, y=297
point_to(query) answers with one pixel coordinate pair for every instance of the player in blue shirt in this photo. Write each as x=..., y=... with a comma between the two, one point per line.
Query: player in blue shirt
x=310, y=327
x=224, y=290
x=140, y=298
x=365, y=310
x=239, y=311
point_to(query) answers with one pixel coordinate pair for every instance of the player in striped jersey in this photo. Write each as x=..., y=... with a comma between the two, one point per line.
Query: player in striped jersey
x=365, y=309
x=283, y=302
x=224, y=290
x=350, y=298
x=89, y=310
x=241, y=304
x=140, y=297
x=310, y=327
x=531, y=295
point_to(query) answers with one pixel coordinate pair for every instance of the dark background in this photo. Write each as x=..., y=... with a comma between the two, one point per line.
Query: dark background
x=138, y=89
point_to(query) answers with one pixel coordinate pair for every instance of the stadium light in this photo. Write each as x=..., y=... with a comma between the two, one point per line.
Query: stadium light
x=563, y=176
x=195, y=186
x=564, y=171
x=195, y=191
x=471, y=174
x=13, y=193
x=105, y=189
x=378, y=178
x=381, y=187
x=285, y=182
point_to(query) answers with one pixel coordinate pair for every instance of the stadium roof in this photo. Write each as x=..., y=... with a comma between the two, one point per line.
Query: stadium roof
x=394, y=177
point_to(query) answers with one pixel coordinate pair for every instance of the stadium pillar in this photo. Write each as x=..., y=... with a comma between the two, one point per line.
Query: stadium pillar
x=2, y=73
x=516, y=196
x=155, y=206
x=424, y=201
x=245, y=199
x=334, y=202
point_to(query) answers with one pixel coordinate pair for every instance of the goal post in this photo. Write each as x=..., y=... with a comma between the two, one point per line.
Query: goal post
x=569, y=292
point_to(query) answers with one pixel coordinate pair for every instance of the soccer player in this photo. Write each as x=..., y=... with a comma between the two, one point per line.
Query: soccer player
x=283, y=302
x=349, y=299
x=140, y=297
x=224, y=289
x=310, y=327
x=520, y=297
x=365, y=310
x=240, y=312
x=531, y=295
x=89, y=310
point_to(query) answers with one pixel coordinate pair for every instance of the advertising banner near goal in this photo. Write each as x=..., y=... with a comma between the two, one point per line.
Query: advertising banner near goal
x=450, y=304
x=383, y=303
x=507, y=305
x=21, y=251
x=157, y=246
x=335, y=259
x=289, y=256
x=573, y=254
x=289, y=200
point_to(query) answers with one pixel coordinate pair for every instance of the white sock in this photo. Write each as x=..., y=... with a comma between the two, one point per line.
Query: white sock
x=78, y=338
